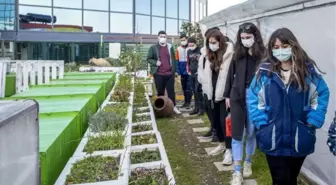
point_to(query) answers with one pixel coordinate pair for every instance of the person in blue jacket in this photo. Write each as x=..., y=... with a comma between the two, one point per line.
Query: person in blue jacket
x=287, y=102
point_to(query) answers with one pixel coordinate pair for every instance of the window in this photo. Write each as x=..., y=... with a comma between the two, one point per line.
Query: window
x=142, y=6
x=142, y=24
x=201, y=11
x=158, y=7
x=7, y=1
x=171, y=8
x=97, y=20
x=35, y=2
x=171, y=27
x=204, y=10
x=197, y=18
x=7, y=17
x=121, y=5
x=158, y=24
x=30, y=23
x=193, y=7
x=184, y=9
x=121, y=23
x=69, y=21
x=68, y=3
x=102, y=5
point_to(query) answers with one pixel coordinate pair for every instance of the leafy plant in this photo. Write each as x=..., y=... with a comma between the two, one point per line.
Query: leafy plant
x=106, y=121
x=193, y=30
x=138, y=110
x=143, y=139
x=105, y=142
x=141, y=128
x=141, y=118
x=145, y=156
x=143, y=176
x=120, y=109
x=120, y=95
x=93, y=169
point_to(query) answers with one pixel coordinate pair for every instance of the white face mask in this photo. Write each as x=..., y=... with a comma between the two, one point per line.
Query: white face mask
x=213, y=47
x=192, y=48
x=282, y=54
x=162, y=40
x=248, y=42
x=183, y=43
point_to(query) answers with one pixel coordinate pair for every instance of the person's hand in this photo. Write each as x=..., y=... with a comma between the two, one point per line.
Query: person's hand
x=227, y=102
x=158, y=63
x=189, y=73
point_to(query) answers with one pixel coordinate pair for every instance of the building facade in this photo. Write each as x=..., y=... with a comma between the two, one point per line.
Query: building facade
x=76, y=30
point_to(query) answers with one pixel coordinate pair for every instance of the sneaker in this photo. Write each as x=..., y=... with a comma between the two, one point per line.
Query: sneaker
x=214, y=139
x=247, y=171
x=227, y=158
x=237, y=178
x=194, y=112
x=218, y=150
x=185, y=106
x=208, y=134
x=200, y=113
x=176, y=110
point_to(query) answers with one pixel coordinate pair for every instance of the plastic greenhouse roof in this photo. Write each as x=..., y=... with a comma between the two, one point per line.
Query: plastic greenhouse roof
x=56, y=90
x=51, y=126
x=247, y=9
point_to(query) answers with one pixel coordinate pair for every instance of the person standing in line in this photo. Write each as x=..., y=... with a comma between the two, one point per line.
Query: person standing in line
x=201, y=65
x=161, y=58
x=193, y=55
x=287, y=101
x=218, y=59
x=249, y=50
x=181, y=58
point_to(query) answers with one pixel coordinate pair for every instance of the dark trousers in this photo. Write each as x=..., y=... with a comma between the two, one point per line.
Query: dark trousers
x=284, y=169
x=186, y=92
x=208, y=110
x=219, y=114
x=163, y=82
x=196, y=88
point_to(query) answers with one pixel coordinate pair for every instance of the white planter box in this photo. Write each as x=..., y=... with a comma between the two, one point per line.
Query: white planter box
x=102, y=69
x=123, y=169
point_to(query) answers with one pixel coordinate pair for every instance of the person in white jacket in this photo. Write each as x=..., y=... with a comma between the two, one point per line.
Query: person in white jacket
x=218, y=59
x=201, y=64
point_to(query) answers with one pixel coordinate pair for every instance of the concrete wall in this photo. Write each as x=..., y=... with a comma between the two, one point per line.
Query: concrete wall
x=19, y=143
x=315, y=29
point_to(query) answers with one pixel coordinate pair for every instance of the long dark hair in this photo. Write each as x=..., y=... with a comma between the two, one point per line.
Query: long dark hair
x=216, y=58
x=258, y=48
x=300, y=59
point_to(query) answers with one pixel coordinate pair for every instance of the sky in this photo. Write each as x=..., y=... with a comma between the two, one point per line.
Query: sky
x=217, y=5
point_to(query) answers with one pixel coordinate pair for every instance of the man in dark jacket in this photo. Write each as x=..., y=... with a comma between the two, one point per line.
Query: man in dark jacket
x=161, y=58
x=193, y=55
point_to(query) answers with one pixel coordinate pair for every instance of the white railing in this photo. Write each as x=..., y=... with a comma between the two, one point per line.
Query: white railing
x=26, y=71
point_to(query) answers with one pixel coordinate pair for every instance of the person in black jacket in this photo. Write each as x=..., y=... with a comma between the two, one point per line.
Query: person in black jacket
x=193, y=55
x=249, y=50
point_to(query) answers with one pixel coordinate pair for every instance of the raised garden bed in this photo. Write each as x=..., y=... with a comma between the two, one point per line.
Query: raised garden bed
x=119, y=109
x=93, y=169
x=145, y=156
x=105, y=142
x=106, y=121
x=144, y=176
x=141, y=118
x=123, y=89
x=141, y=110
x=141, y=128
x=143, y=139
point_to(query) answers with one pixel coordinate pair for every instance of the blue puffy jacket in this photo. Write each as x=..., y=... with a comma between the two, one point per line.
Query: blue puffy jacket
x=281, y=115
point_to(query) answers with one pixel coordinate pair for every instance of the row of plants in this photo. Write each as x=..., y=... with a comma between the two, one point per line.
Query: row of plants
x=106, y=133
x=145, y=156
x=123, y=89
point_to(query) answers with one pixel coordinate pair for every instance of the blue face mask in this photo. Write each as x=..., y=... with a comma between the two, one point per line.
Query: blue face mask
x=282, y=54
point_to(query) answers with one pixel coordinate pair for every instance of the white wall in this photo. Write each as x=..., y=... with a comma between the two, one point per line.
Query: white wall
x=315, y=29
x=114, y=49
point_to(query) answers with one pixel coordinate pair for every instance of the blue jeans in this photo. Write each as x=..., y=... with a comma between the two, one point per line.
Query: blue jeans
x=238, y=146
